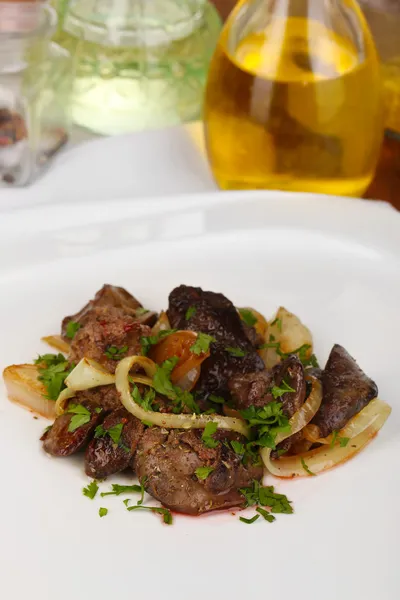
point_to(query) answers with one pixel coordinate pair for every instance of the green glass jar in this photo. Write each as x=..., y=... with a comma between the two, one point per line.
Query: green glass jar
x=139, y=64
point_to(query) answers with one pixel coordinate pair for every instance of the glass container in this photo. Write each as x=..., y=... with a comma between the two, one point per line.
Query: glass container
x=384, y=19
x=293, y=99
x=35, y=84
x=139, y=64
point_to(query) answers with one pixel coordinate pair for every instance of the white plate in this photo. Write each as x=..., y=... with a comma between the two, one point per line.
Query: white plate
x=333, y=261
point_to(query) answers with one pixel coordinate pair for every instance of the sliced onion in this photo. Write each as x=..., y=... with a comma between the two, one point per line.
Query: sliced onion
x=88, y=374
x=324, y=458
x=189, y=379
x=56, y=341
x=357, y=424
x=24, y=388
x=181, y=421
x=62, y=399
x=162, y=324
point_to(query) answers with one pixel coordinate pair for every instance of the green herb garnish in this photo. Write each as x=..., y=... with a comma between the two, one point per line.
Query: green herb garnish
x=166, y=514
x=114, y=432
x=115, y=353
x=103, y=512
x=216, y=399
x=249, y=521
x=277, y=392
x=163, y=385
x=267, y=422
x=146, y=401
x=141, y=311
x=81, y=416
x=91, y=490
x=278, y=323
x=53, y=370
x=202, y=343
x=265, y=514
x=305, y=467
x=208, y=432
x=343, y=441
x=71, y=329
x=117, y=490
x=148, y=341
x=248, y=316
x=191, y=311
x=265, y=496
x=203, y=472
x=237, y=352
x=238, y=447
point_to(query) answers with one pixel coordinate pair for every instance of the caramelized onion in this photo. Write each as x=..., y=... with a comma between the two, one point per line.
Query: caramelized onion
x=24, y=388
x=64, y=396
x=324, y=458
x=56, y=341
x=162, y=324
x=88, y=374
x=172, y=421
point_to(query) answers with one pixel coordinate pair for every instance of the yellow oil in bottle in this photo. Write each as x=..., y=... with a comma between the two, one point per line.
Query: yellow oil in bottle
x=294, y=107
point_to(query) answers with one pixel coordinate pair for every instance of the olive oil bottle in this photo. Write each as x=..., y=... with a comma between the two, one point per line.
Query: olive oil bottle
x=293, y=99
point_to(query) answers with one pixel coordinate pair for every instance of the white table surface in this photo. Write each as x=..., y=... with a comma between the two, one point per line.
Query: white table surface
x=149, y=163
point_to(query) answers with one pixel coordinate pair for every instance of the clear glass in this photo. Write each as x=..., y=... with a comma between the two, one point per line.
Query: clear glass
x=293, y=99
x=140, y=64
x=35, y=87
x=384, y=19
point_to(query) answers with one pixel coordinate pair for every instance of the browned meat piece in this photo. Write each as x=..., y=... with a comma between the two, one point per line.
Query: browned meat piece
x=169, y=460
x=105, y=328
x=58, y=441
x=214, y=315
x=346, y=391
x=113, y=296
x=254, y=389
x=104, y=456
x=105, y=396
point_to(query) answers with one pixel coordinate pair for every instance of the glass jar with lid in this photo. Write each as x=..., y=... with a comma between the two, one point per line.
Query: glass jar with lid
x=35, y=86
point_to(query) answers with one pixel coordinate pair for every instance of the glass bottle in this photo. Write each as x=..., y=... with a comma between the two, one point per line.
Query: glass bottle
x=139, y=63
x=35, y=86
x=384, y=19
x=293, y=99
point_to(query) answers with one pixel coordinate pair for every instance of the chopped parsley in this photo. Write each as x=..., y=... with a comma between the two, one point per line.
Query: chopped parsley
x=216, y=399
x=202, y=344
x=305, y=467
x=103, y=511
x=278, y=323
x=115, y=353
x=267, y=422
x=203, y=472
x=117, y=490
x=302, y=352
x=114, y=433
x=249, y=521
x=53, y=370
x=237, y=352
x=91, y=490
x=265, y=514
x=208, y=432
x=265, y=496
x=248, y=316
x=238, y=447
x=191, y=311
x=343, y=441
x=277, y=392
x=151, y=340
x=166, y=514
x=163, y=385
x=47, y=429
x=141, y=311
x=146, y=401
x=81, y=416
x=71, y=329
